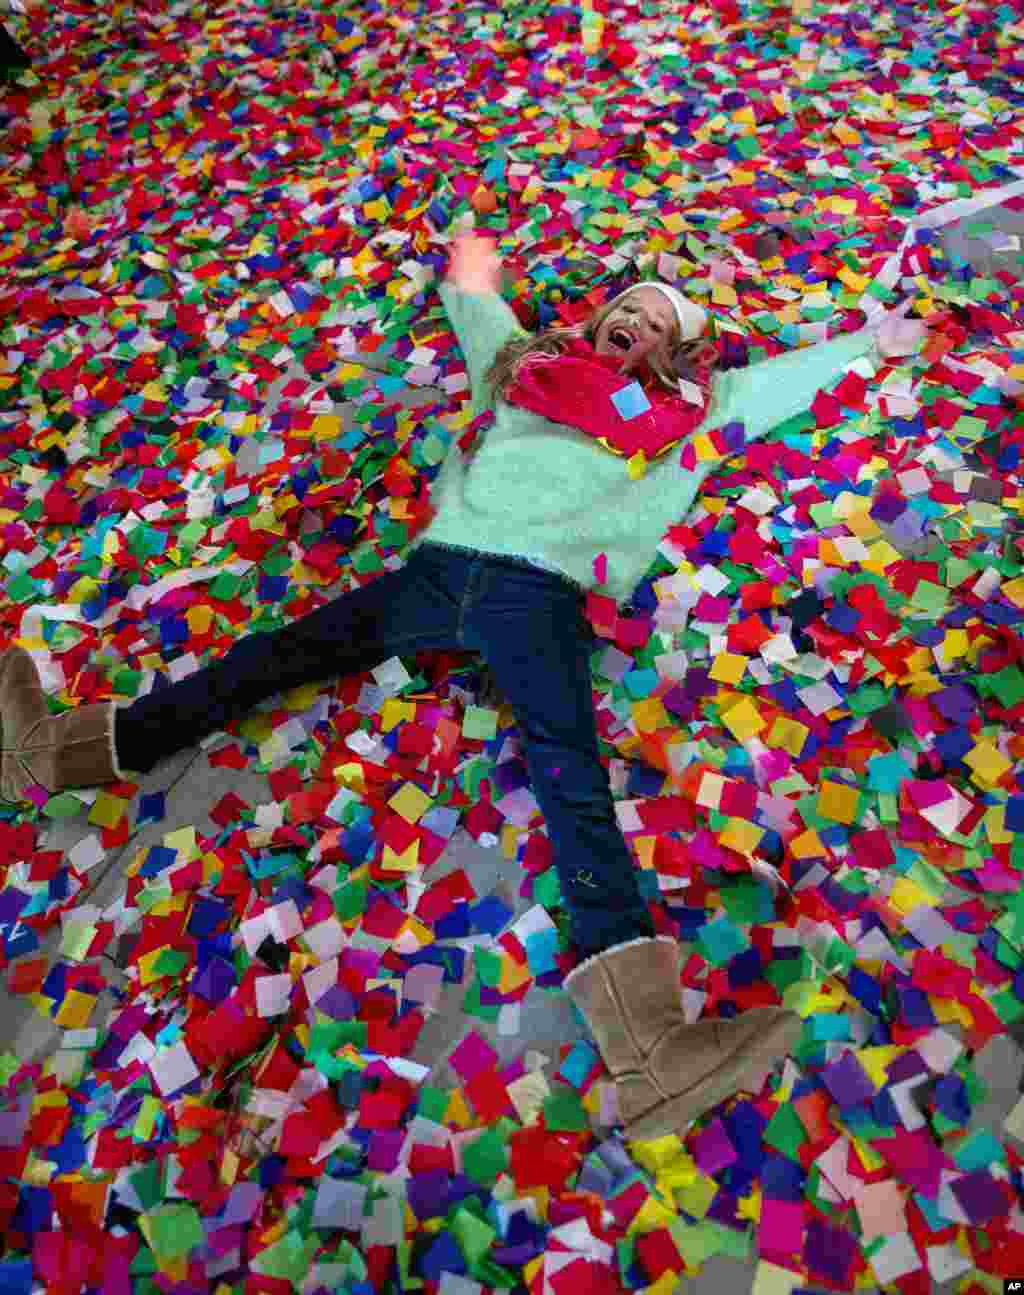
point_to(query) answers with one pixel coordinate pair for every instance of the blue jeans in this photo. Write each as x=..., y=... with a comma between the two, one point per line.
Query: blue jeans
x=528, y=625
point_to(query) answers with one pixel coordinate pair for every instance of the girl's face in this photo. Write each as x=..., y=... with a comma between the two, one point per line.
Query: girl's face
x=641, y=323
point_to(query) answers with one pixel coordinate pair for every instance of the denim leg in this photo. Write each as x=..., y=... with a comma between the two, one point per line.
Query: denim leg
x=410, y=610
x=529, y=626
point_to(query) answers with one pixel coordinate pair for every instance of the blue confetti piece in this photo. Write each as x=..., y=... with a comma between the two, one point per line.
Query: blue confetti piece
x=152, y=808
x=491, y=915
x=578, y=1064
x=16, y=1277
x=631, y=401
x=540, y=949
x=1014, y=821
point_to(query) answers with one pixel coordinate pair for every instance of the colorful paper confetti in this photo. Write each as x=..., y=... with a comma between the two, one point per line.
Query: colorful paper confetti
x=822, y=676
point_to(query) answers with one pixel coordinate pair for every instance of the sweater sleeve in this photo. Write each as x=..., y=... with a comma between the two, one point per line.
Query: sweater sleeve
x=482, y=322
x=761, y=396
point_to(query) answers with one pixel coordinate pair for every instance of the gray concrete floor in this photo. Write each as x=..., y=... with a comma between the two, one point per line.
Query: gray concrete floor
x=192, y=786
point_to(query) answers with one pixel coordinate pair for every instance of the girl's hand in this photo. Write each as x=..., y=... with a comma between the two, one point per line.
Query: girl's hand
x=474, y=265
x=898, y=335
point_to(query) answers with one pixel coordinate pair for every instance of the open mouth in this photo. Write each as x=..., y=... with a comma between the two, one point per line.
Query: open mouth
x=621, y=339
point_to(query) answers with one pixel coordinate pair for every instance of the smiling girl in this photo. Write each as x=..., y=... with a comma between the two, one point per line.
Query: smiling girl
x=576, y=477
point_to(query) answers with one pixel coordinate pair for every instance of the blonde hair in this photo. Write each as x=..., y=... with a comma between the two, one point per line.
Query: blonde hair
x=696, y=359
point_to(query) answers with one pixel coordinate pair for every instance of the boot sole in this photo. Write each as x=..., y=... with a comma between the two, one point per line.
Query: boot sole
x=753, y=1059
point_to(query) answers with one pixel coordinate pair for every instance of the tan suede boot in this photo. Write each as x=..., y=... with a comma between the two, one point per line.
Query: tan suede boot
x=666, y=1072
x=75, y=749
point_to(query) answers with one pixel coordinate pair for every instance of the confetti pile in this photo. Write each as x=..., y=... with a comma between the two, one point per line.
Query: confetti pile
x=206, y=201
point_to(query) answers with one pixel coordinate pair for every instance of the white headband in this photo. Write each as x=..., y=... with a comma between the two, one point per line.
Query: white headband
x=693, y=319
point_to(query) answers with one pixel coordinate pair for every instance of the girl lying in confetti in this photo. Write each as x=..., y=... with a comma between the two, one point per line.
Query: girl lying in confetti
x=573, y=487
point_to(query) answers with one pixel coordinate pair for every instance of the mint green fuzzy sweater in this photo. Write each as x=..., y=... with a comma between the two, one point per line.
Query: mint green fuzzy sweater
x=546, y=492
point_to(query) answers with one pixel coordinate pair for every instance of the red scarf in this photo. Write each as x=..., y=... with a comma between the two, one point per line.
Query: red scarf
x=578, y=387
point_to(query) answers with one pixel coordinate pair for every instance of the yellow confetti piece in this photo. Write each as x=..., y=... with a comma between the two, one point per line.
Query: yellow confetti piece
x=723, y=294
x=706, y=453
x=948, y=1012
x=651, y=1215
x=880, y=555
x=172, y=904
x=457, y=1111
x=838, y=802
x=788, y=734
x=749, y=1207
x=666, y=1284
x=867, y=1155
x=145, y=1121
x=637, y=466
x=741, y=835
x=37, y=1172
x=657, y=1154
x=696, y=1198
x=350, y=776
x=534, y=1267
x=407, y=862
x=875, y=1062
x=855, y=282
x=421, y=933
x=955, y=644
x=513, y=976
x=907, y=895
x=411, y=802
x=988, y=763
x=199, y=619
x=995, y=826
x=82, y=591
x=649, y=715
x=46, y=1101
x=808, y=845
x=75, y=1010
x=743, y=720
x=107, y=810
x=728, y=668
x=147, y=964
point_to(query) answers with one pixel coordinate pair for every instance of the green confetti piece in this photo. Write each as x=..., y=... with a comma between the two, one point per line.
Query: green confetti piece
x=64, y=805
x=142, y=1264
x=21, y=588
x=473, y=1236
x=148, y=1184
x=1006, y=685
x=693, y=1243
x=171, y=962
x=479, y=723
x=175, y=1230
x=485, y=1158
x=929, y=597
x=719, y=941
x=432, y=1104
x=979, y=1150
x=289, y=1259
x=350, y=900
x=546, y=890
x=488, y=967
x=785, y=1132
x=744, y=901
x=473, y=1006
x=564, y=1112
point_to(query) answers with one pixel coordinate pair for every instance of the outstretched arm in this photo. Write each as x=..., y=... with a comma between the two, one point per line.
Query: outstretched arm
x=481, y=318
